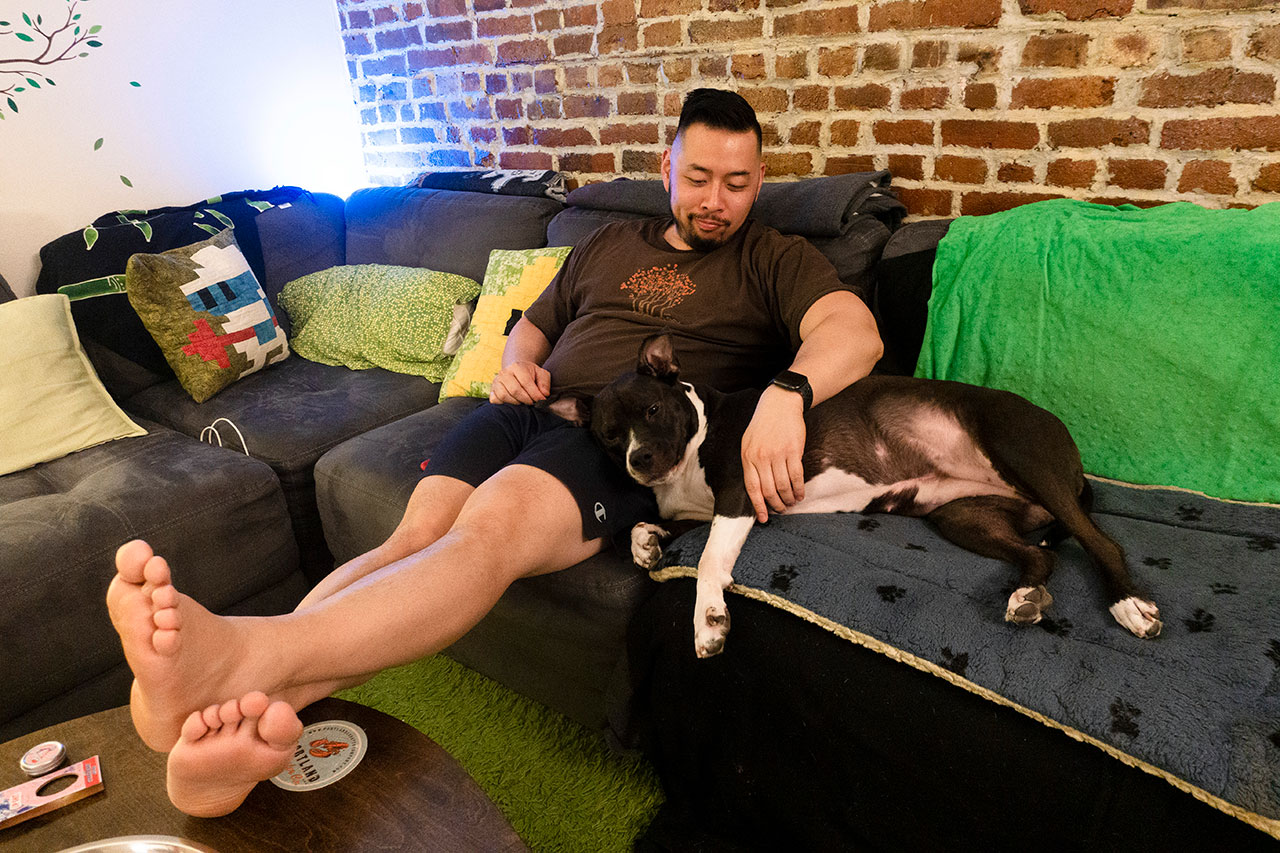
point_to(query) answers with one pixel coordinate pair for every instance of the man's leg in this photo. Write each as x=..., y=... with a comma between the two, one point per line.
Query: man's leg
x=520, y=522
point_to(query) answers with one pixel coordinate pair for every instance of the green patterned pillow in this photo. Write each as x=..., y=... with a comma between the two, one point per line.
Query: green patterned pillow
x=207, y=312
x=375, y=315
x=512, y=280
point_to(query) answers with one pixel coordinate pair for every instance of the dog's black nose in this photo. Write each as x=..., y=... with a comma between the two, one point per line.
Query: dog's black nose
x=640, y=460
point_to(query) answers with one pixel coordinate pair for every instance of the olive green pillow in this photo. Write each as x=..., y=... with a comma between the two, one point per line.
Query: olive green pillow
x=207, y=312
x=375, y=315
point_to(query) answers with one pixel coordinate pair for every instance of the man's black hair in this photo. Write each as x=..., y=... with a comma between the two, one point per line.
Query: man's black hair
x=719, y=109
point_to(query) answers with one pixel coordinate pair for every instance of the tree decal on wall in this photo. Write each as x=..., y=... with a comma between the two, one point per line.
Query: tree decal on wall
x=51, y=43
x=657, y=289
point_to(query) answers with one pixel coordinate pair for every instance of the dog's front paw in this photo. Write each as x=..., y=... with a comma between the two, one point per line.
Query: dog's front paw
x=1141, y=617
x=710, y=632
x=646, y=549
x=1027, y=605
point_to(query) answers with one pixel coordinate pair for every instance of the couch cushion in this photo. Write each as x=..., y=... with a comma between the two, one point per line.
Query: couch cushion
x=289, y=416
x=442, y=229
x=557, y=638
x=217, y=516
x=302, y=237
x=903, y=283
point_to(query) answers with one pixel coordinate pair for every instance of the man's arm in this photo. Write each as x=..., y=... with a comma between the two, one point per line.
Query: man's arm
x=839, y=345
x=522, y=378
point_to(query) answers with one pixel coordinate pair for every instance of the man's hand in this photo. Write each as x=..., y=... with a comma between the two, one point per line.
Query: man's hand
x=771, y=452
x=520, y=382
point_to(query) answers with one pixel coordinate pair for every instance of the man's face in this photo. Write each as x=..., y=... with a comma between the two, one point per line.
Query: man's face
x=713, y=177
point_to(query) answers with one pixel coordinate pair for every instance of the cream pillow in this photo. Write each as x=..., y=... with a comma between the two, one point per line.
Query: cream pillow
x=51, y=400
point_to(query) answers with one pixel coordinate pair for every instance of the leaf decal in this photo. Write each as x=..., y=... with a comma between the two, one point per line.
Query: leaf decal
x=90, y=237
x=222, y=218
x=260, y=206
x=97, y=144
x=12, y=105
x=126, y=181
x=144, y=227
x=207, y=227
x=24, y=37
x=33, y=83
x=135, y=84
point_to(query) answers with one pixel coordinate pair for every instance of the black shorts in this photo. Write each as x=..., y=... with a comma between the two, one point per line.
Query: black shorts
x=495, y=436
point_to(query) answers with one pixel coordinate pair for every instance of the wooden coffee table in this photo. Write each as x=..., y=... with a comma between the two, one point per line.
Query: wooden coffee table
x=407, y=794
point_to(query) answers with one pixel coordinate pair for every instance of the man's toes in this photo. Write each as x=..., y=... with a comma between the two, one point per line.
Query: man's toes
x=279, y=725
x=252, y=705
x=194, y=727
x=212, y=717
x=156, y=571
x=230, y=714
x=131, y=557
x=166, y=641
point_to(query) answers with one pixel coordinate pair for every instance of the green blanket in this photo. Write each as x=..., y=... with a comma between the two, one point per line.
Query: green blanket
x=1153, y=334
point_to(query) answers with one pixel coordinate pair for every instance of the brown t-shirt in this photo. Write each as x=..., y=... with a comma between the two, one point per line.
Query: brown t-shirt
x=734, y=312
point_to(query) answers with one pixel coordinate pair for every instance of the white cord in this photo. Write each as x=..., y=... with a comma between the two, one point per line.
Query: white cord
x=210, y=433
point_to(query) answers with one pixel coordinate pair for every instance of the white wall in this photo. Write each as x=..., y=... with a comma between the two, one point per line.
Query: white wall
x=234, y=94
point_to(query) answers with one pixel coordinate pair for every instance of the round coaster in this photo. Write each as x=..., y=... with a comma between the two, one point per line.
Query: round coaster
x=326, y=752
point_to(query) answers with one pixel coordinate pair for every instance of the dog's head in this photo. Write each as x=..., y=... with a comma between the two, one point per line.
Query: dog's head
x=645, y=419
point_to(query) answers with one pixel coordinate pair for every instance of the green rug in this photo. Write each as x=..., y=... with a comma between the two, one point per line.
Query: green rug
x=556, y=781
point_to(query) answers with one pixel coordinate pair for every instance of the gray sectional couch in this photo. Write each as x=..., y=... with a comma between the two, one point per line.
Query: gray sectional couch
x=332, y=455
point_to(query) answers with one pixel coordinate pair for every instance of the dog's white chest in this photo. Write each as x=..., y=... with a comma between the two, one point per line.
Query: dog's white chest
x=687, y=496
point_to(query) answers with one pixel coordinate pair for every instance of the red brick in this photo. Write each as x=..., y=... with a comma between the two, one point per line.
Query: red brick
x=990, y=134
x=603, y=162
x=517, y=135
x=881, y=57
x=634, y=134
x=642, y=72
x=637, y=103
x=544, y=81
x=905, y=132
x=720, y=30
x=1211, y=176
x=985, y=56
x=1211, y=44
x=470, y=54
x=509, y=25
x=1210, y=88
x=805, y=133
x=524, y=160
x=446, y=8
x=668, y=8
x=870, y=97
x=643, y=162
x=928, y=54
x=980, y=96
x=837, y=62
x=413, y=11
x=677, y=71
x=765, y=99
x=908, y=166
x=1268, y=180
x=619, y=12
x=820, y=22
x=530, y=50
x=577, y=77
x=925, y=14
x=1117, y=200
x=931, y=98
x=1071, y=173
x=583, y=106
x=1056, y=50
x=1015, y=173
x=615, y=38
x=1064, y=92
x=811, y=98
x=663, y=34
x=384, y=15
x=552, y=137
x=960, y=170
x=1079, y=10
x=748, y=66
x=489, y=5
x=483, y=134
x=982, y=203
x=1097, y=132
x=571, y=43
x=732, y=5
x=580, y=16
x=794, y=66
x=789, y=163
x=769, y=135
x=508, y=108
x=545, y=108
x=609, y=75
x=849, y=165
x=926, y=202
x=1264, y=44
x=844, y=133
x=1238, y=134
x=1137, y=174
x=713, y=66
x=1201, y=5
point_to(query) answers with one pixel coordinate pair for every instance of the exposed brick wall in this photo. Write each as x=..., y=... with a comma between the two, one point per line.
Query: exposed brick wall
x=975, y=105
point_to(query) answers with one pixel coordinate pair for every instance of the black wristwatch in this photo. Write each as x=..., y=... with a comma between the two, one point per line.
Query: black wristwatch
x=798, y=382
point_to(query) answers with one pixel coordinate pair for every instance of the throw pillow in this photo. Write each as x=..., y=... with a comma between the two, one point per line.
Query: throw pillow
x=375, y=315
x=512, y=280
x=51, y=401
x=205, y=309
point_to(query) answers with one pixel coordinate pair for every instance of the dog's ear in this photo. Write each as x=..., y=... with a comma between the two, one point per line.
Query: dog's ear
x=658, y=357
x=573, y=408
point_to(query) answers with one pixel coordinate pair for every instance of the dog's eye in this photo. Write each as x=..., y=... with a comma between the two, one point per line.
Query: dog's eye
x=653, y=411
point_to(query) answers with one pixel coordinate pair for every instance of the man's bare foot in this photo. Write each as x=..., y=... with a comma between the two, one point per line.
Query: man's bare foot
x=226, y=750
x=175, y=647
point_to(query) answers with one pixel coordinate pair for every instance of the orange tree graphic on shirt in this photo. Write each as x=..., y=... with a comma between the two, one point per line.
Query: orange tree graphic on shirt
x=656, y=290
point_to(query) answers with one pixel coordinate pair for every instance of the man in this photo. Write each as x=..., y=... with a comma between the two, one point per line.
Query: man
x=742, y=302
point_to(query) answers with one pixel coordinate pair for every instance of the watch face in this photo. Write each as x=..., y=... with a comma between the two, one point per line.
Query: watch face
x=790, y=380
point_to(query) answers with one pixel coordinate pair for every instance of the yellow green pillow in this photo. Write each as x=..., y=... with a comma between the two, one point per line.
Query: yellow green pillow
x=376, y=315
x=512, y=280
x=51, y=400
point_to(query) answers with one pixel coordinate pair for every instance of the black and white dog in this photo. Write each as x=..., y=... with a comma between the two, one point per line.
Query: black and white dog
x=986, y=468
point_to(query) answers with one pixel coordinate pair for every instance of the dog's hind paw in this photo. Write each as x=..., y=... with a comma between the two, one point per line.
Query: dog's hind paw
x=1141, y=617
x=709, y=637
x=646, y=548
x=1027, y=605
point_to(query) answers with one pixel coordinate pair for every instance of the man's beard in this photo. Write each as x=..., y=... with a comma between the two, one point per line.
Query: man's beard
x=688, y=233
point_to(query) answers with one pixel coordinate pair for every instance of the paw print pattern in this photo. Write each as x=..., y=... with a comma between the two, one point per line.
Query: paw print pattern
x=1124, y=718
x=1262, y=543
x=1275, y=739
x=868, y=524
x=1057, y=627
x=913, y=547
x=957, y=663
x=1274, y=653
x=891, y=593
x=782, y=578
x=1224, y=589
x=1158, y=562
x=1190, y=513
x=1201, y=621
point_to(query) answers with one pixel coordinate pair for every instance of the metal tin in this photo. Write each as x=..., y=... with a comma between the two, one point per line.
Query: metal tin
x=44, y=758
